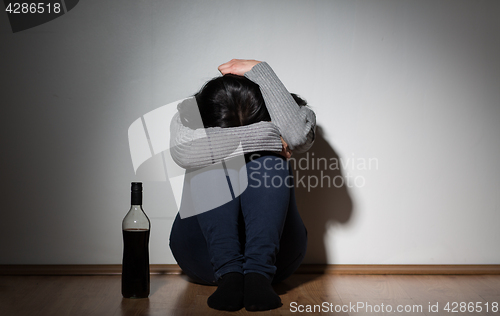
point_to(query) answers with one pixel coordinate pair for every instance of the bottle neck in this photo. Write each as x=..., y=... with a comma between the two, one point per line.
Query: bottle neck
x=136, y=198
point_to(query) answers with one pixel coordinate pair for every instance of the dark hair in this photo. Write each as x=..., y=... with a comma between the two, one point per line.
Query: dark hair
x=301, y=102
x=231, y=101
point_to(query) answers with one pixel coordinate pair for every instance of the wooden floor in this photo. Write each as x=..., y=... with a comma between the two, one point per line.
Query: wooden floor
x=173, y=295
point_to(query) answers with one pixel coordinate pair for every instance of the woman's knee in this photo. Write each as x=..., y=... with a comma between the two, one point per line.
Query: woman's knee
x=268, y=170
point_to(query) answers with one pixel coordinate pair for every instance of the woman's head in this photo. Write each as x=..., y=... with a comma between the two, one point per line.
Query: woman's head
x=231, y=101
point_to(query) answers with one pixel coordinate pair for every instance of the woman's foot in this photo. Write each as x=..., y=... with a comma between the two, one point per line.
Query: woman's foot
x=229, y=293
x=259, y=294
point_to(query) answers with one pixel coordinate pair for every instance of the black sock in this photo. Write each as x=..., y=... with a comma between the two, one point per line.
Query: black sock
x=229, y=293
x=259, y=294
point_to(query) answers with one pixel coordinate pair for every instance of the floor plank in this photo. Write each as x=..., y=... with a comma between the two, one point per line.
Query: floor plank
x=321, y=294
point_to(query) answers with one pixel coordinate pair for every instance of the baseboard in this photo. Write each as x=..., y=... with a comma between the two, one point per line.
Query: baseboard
x=81, y=269
x=419, y=269
x=157, y=269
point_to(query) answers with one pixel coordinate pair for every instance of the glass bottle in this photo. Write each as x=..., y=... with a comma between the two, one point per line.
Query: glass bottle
x=135, y=267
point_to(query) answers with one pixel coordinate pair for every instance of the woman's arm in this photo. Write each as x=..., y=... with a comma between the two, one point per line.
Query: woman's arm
x=296, y=124
x=195, y=148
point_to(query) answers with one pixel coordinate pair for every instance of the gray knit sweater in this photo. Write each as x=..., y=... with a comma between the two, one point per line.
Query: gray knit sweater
x=194, y=148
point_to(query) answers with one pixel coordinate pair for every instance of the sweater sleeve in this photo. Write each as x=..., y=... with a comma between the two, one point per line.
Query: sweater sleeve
x=195, y=148
x=296, y=124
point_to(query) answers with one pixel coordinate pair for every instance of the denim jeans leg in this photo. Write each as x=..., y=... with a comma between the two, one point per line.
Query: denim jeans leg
x=220, y=227
x=293, y=243
x=264, y=205
x=189, y=249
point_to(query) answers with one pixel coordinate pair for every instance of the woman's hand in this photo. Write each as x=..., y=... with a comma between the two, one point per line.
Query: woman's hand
x=285, y=151
x=237, y=66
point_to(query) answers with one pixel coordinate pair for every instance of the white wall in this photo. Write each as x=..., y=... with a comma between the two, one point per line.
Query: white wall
x=413, y=85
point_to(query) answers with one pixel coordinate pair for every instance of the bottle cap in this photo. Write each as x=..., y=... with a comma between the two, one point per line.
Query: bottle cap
x=137, y=186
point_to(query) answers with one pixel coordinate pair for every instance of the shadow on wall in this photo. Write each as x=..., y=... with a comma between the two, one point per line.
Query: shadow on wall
x=322, y=196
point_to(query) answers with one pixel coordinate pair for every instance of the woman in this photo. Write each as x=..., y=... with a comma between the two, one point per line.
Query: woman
x=258, y=237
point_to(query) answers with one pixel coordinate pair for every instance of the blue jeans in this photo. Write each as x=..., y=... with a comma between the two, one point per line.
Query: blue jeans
x=259, y=231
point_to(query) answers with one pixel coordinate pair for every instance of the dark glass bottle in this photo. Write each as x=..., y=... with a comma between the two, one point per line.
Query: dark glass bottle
x=135, y=267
